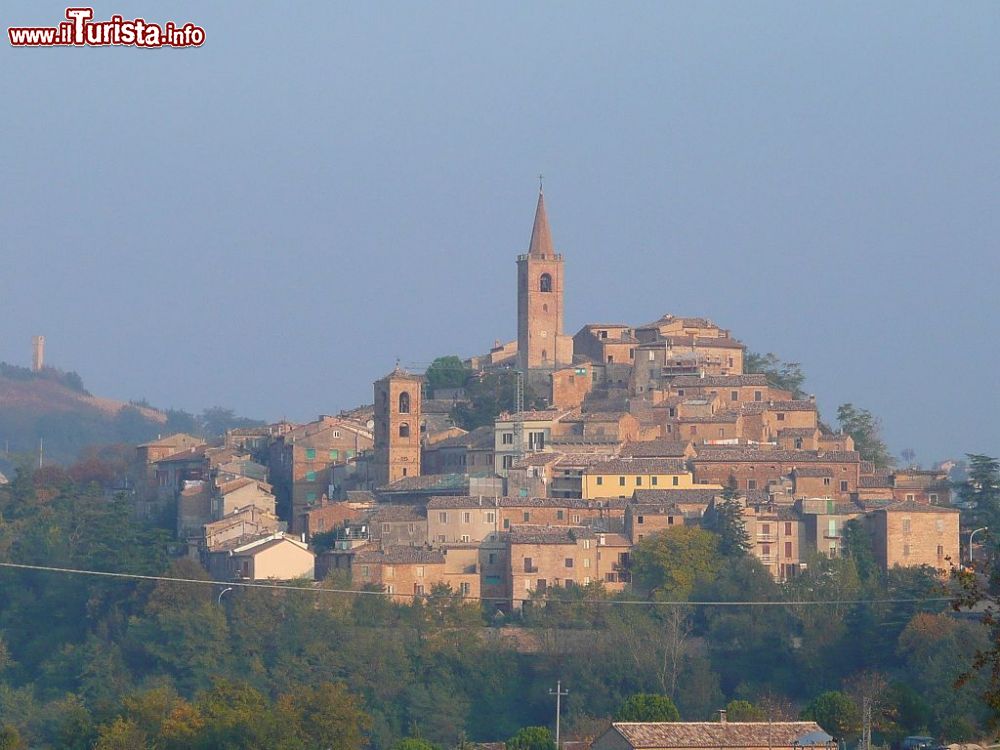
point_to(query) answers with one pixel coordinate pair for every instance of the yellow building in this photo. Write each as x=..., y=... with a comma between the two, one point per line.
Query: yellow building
x=620, y=477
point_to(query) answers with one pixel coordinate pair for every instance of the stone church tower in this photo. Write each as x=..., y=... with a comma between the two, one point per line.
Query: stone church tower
x=397, y=427
x=541, y=344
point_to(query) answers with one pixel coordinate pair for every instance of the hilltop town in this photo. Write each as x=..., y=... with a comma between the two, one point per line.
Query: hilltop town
x=610, y=435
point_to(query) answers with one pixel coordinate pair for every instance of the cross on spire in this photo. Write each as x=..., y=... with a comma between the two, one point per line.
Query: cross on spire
x=540, y=178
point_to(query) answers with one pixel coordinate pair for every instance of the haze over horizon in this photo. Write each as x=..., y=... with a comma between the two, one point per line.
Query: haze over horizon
x=267, y=222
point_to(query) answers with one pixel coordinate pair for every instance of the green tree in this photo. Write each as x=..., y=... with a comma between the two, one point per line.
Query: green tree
x=982, y=488
x=784, y=375
x=741, y=710
x=669, y=564
x=121, y=734
x=413, y=743
x=490, y=395
x=836, y=713
x=647, y=707
x=858, y=547
x=532, y=738
x=726, y=520
x=324, y=715
x=446, y=372
x=10, y=738
x=865, y=429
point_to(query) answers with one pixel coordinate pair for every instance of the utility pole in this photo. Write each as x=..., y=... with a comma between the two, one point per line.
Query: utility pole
x=558, y=693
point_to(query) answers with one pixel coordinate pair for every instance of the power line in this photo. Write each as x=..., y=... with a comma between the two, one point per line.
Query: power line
x=387, y=595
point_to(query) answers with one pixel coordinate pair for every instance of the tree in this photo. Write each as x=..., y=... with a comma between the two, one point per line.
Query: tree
x=787, y=376
x=835, y=712
x=741, y=710
x=446, y=372
x=857, y=542
x=648, y=707
x=10, y=738
x=532, y=738
x=864, y=428
x=413, y=743
x=727, y=521
x=325, y=715
x=121, y=734
x=669, y=564
x=489, y=395
x=981, y=489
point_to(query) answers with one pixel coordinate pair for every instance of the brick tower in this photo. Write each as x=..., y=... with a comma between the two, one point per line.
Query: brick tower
x=397, y=427
x=541, y=344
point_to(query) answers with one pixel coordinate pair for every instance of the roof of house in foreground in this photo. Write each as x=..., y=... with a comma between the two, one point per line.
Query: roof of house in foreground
x=731, y=734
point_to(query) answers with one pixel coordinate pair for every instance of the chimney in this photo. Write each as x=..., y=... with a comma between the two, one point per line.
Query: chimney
x=37, y=353
x=722, y=716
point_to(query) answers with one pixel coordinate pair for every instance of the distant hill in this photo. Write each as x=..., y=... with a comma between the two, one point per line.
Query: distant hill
x=54, y=406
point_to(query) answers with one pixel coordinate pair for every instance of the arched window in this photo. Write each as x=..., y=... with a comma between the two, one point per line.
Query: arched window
x=404, y=403
x=404, y=430
x=545, y=283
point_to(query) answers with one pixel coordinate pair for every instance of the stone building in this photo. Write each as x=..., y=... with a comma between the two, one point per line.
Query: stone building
x=713, y=735
x=397, y=427
x=911, y=534
x=408, y=572
x=541, y=344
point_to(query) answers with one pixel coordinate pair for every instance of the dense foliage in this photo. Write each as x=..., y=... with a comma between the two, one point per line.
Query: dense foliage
x=89, y=661
x=787, y=376
x=865, y=429
x=488, y=396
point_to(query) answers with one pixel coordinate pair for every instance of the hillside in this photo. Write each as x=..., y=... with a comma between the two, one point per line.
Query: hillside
x=54, y=406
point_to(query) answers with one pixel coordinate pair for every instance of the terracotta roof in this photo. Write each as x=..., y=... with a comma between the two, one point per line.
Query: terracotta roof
x=731, y=734
x=656, y=449
x=718, y=381
x=798, y=431
x=460, y=501
x=535, y=415
x=237, y=484
x=547, y=534
x=477, y=438
x=399, y=555
x=724, y=418
x=638, y=466
x=747, y=455
x=812, y=471
x=191, y=454
x=542, y=458
x=428, y=482
x=877, y=481
x=388, y=513
x=910, y=506
x=693, y=495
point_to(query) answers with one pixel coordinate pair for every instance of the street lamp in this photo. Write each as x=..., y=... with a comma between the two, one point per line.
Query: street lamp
x=558, y=693
x=227, y=589
x=976, y=531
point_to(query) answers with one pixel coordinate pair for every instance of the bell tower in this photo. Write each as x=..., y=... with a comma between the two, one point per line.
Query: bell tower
x=541, y=344
x=397, y=427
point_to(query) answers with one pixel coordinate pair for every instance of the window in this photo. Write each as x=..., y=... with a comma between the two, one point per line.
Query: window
x=940, y=551
x=507, y=438
x=404, y=403
x=334, y=454
x=507, y=461
x=586, y=562
x=765, y=550
x=336, y=433
x=675, y=481
x=939, y=526
x=788, y=549
x=389, y=571
x=734, y=395
x=545, y=283
x=310, y=454
x=798, y=443
x=310, y=476
x=765, y=528
x=933, y=497
x=826, y=481
x=506, y=523
x=788, y=528
x=526, y=516
x=621, y=481
x=491, y=516
x=420, y=571
x=751, y=484
x=465, y=538
x=609, y=577
x=653, y=480
x=694, y=429
x=404, y=430
x=652, y=356
x=781, y=417
x=586, y=544
x=443, y=517
x=670, y=520
x=569, y=562
x=906, y=550
x=906, y=525
x=843, y=485
x=600, y=481
x=528, y=567
x=909, y=497
x=559, y=515
x=412, y=527
x=465, y=588
x=638, y=481
x=386, y=528
x=641, y=519
x=466, y=517
x=389, y=589
x=418, y=589
x=831, y=527
x=758, y=396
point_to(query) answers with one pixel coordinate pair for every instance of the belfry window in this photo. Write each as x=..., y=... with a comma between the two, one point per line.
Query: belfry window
x=545, y=283
x=404, y=430
x=404, y=403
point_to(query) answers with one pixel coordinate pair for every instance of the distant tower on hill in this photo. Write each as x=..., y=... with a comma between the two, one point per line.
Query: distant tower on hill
x=37, y=353
x=541, y=344
x=397, y=427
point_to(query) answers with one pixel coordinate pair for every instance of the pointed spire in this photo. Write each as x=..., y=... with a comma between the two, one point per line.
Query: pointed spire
x=541, y=237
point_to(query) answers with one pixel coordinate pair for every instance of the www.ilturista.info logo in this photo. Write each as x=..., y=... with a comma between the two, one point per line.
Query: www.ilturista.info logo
x=80, y=30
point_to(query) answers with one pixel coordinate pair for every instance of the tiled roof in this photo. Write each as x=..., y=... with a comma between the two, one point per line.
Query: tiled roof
x=797, y=432
x=877, y=481
x=536, y=415
x=704, y=341
x=718, y=381
x=656, y=449
x=638, y=466
x=909, y=506
x=388, y=513
x=693, y=495
x=548, y=534
x=813, y=471
x=542, y=458
x=460, y=502
x=724, y=418
x=479, y=437
x=731, y=734
x=399, y=555
x=729, y=455
x=428, y=482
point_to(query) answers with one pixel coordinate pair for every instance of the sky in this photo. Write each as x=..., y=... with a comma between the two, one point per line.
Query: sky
x=268, y=221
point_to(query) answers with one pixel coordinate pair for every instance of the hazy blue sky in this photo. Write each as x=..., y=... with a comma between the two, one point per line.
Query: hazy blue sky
x=268, y=221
